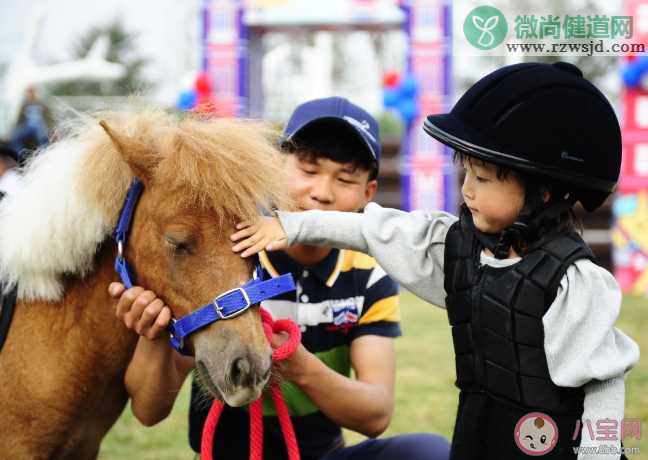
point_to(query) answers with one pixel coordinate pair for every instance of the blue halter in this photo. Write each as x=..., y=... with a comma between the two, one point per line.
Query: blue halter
x=225, y=306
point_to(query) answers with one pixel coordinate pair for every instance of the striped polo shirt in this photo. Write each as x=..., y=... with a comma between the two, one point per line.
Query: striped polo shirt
x=343, y=297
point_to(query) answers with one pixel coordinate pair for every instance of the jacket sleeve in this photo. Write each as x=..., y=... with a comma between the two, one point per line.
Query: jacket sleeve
x=408, y=245
x=584, y=348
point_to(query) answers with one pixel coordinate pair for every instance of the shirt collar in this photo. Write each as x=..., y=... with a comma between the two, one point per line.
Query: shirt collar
x=326, y=270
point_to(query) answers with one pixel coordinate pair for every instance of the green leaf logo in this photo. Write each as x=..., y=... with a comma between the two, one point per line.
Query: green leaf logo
x=485, y=27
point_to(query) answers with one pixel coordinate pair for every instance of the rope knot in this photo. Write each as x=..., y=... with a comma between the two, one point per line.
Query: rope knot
x=256, y=408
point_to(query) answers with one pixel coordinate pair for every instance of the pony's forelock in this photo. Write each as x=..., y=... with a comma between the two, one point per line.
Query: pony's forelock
x=228, y=165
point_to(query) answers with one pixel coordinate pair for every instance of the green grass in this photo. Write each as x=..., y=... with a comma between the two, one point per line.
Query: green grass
x=425, y=395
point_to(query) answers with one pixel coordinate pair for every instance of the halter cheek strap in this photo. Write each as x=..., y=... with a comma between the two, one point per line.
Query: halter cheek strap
x=122, y=230
x=224, y=306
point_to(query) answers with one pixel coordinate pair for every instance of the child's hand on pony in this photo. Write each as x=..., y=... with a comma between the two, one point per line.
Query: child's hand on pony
x=141, y=311
x=264, y=234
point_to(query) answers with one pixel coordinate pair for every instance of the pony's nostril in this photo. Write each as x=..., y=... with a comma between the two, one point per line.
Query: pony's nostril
x=240, y=371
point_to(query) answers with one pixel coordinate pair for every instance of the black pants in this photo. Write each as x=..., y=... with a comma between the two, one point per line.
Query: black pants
x=486, y=429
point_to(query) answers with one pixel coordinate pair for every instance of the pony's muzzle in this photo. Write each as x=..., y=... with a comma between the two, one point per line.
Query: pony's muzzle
x=242, y=379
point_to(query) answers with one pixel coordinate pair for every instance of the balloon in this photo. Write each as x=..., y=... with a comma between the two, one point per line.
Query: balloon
x=631, y=76
x=642, y=64
x=390, y=98
x=390, y=79
x=408, y=109
x=634, y=72
x=203, y=83
x=186, y=100
x=409, y=87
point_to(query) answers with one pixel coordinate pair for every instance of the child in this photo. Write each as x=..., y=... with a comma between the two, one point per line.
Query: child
x=538, y=360
x=346, y=305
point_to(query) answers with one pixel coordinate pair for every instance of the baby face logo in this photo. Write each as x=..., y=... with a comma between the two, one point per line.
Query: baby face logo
x=536, y=434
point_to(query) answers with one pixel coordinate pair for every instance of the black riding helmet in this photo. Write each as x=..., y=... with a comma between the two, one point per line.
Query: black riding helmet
x=541, y=119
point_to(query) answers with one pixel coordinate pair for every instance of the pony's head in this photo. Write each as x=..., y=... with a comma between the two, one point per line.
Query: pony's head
x=200, y=178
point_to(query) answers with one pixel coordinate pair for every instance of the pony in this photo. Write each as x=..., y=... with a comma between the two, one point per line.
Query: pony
x=65, y=356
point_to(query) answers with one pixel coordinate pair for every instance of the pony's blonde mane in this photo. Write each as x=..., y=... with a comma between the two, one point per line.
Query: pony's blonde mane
x=73, y=191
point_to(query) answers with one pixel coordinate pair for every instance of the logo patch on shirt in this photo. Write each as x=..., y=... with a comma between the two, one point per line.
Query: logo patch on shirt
x=332, y=314
x=344, y=318
x=345, y=315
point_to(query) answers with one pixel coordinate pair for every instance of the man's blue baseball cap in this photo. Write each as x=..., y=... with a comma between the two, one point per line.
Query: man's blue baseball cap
x=335, y=109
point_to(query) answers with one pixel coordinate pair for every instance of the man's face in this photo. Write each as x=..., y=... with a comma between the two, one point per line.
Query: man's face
x=328, y=185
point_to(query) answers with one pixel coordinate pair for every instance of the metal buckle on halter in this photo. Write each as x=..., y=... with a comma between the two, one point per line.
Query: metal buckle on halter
x=174, y=338
x=219, y=309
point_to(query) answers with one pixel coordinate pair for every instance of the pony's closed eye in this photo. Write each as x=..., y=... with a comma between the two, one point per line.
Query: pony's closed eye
x=180, y=245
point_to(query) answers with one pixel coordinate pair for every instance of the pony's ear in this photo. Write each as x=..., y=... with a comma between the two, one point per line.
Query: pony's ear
x=139, y=156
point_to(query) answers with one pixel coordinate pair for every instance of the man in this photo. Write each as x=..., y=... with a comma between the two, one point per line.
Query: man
x=33, y=126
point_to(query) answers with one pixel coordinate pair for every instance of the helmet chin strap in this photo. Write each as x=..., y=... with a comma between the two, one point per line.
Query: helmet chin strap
x=525, y=228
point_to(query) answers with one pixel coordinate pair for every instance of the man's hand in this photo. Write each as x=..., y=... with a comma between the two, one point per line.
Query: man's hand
x=296, y=367
x=141, y=311
x=264, y=234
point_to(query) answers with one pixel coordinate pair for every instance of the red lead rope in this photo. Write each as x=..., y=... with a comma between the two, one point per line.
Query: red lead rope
x=256, y=408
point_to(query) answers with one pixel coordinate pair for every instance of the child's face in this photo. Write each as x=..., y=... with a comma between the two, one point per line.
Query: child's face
x=328, y=185
x=494, y=203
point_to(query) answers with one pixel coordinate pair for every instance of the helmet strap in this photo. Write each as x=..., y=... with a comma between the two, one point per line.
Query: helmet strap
x=524, y=229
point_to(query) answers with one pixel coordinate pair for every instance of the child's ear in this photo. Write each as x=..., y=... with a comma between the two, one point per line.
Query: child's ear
x=370, y=190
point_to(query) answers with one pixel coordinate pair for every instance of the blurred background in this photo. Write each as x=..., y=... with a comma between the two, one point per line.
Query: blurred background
x=401, y=60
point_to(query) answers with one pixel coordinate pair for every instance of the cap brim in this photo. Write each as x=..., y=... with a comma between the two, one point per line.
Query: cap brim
x=360, y=133
x=451, y=131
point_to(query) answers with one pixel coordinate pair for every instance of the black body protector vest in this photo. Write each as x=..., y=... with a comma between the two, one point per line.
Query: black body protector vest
x=497, y=331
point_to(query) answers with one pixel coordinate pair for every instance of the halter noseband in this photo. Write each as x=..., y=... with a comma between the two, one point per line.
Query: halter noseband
x=227, y=305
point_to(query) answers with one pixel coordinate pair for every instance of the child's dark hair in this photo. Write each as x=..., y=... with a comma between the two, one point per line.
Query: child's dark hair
x=333, y=141
x=535, y=189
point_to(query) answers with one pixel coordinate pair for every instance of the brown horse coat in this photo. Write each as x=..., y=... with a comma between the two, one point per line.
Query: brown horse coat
x=63, y=364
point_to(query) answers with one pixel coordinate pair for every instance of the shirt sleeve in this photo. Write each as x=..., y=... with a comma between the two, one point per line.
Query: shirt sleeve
x=381, y=309
x=409, y=246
